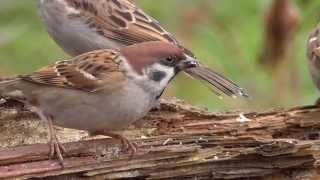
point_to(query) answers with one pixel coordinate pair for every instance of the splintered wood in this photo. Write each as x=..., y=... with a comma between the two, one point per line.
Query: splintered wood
x=176, y=142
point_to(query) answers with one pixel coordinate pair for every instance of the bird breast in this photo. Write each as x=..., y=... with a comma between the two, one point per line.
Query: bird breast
x=103, y=110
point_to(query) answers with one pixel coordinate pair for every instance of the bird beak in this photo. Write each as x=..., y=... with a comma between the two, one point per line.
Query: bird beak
x=188, y=63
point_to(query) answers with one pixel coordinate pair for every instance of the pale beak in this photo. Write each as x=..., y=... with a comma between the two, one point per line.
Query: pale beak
x=188, y=63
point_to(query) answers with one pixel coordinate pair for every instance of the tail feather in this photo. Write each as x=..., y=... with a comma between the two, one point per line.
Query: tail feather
x=8, y=88
x=218, y=82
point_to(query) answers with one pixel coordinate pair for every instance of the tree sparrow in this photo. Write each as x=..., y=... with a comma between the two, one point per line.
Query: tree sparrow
x=80, y=26
x=313, y=54
x=101, y=91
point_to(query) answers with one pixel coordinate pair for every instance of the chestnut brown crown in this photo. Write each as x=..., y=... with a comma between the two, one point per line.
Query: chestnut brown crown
x=144, y=54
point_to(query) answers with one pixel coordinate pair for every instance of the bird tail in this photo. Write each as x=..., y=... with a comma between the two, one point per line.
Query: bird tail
x=8, y=87
x=217, y=83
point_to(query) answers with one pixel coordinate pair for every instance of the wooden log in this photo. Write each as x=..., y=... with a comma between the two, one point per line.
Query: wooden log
x=176, y=142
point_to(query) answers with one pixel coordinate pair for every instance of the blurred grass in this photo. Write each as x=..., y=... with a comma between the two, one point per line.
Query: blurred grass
x=225, y=34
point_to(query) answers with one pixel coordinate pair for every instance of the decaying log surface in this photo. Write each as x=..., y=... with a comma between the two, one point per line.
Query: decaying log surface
x=176, y=142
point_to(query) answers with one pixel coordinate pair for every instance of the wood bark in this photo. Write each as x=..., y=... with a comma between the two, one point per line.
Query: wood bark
x=176, y=142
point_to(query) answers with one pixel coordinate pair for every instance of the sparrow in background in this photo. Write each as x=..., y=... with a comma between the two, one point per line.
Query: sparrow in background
x=80, y=26
x=101, y=91
x=313, y=54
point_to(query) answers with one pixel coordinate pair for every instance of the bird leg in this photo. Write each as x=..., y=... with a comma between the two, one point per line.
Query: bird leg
x=56, y=148
x=126, y=145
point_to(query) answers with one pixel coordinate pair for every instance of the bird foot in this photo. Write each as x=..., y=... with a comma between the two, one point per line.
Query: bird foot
x=156, y=107
x=126, y=145
x=57, y=150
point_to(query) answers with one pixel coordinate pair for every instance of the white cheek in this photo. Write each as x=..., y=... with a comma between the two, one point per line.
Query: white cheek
x=144, y=81
x=169, y=74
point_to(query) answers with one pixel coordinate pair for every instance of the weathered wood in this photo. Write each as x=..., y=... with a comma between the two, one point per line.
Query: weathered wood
x=178, y=141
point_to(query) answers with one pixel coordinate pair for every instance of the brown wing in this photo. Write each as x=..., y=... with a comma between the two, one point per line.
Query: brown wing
x=313, y=44
x=120, y=20
x=90, y=72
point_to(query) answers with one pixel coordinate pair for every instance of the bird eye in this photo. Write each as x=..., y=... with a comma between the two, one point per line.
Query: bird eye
x=170, y=60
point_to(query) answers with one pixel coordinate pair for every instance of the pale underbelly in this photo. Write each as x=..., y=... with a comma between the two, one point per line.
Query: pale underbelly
x=91, y=112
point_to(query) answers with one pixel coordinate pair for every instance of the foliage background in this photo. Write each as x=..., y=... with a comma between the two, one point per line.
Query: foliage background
x=225, y=34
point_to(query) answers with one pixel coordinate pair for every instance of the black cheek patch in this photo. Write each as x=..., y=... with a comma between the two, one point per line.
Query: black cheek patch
x=157, y=76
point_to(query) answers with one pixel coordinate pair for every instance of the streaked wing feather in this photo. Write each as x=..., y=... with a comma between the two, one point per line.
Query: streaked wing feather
x=121, y=20
x=89, y=72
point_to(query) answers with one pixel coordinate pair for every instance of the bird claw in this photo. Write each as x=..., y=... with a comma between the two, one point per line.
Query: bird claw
x=128, y=147
x=156, y=107
x=57, y=150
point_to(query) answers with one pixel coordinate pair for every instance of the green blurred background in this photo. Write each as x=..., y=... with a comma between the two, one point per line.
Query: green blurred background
x=227, y=35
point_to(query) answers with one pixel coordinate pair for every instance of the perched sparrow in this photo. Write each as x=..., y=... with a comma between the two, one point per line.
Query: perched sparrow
x=313, y=54
x=100, y=91
x=80, y=26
